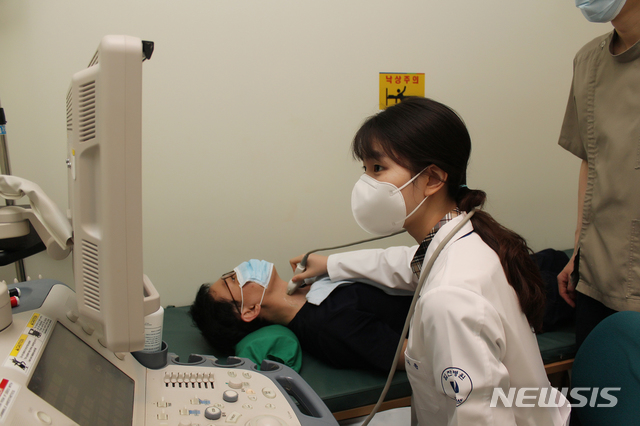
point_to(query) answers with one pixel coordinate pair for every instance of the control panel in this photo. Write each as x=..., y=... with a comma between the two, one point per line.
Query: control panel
x=208, y=396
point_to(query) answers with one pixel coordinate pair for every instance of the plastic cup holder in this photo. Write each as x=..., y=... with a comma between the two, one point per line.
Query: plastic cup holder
x=153, y=360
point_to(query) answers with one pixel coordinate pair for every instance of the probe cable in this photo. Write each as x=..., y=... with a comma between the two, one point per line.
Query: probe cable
x=303, y=262
x=423, y=278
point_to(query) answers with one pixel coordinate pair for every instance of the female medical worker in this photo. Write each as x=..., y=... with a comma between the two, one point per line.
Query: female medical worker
x=472, y=357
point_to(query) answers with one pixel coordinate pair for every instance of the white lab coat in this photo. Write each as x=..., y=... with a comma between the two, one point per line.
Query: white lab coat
x=468, y=333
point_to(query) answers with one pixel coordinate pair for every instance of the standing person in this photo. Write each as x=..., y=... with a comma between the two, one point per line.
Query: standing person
x=602, y=127
x=471, y=336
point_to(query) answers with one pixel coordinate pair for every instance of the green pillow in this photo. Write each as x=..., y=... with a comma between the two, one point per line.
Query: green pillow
x=273, y=342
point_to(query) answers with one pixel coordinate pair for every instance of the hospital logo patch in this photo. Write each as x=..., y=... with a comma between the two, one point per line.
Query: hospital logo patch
x=456, y=384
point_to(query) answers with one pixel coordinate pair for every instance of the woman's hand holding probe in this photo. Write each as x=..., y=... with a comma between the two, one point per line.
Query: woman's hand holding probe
x=316, y=265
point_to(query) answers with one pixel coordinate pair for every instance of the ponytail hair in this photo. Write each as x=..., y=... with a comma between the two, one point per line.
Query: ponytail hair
x=514, y=253
x=419, y=132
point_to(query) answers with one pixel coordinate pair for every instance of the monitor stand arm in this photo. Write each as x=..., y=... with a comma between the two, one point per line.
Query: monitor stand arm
x=17, y=226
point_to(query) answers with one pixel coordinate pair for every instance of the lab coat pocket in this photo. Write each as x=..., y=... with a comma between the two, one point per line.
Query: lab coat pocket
x=425, y=396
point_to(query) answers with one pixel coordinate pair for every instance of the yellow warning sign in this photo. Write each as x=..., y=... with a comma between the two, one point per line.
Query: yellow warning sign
x=18, y=346
x=33, y=320
x=30, y=344
x=396, y=86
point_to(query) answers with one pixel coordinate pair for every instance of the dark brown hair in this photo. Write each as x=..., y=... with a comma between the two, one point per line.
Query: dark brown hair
x=419, y=132
x=219, y=322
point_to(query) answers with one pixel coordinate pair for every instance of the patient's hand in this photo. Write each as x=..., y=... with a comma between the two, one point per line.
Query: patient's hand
x=316, y=265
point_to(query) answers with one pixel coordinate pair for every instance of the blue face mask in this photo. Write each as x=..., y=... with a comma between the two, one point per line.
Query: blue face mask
x=600, y=10
x=255, y=271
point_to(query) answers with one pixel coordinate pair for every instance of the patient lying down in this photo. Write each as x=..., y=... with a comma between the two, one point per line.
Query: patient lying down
x=355, y=326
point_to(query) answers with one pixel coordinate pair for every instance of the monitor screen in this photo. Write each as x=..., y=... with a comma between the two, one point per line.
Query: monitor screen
x=82, y=384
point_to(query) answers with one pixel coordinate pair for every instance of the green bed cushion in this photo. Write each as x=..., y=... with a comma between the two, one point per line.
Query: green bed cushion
x=557, y=345
x=347, y=389
x=182, y=336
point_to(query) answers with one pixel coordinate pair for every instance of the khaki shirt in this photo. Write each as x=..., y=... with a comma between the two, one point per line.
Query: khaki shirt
x=602, y=126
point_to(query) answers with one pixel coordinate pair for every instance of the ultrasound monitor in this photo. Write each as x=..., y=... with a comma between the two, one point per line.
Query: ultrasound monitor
x=104, y=135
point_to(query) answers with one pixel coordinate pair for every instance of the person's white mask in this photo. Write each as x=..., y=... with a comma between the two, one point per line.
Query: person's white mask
x=600, y=10
x=379, y=207
x=255, y=271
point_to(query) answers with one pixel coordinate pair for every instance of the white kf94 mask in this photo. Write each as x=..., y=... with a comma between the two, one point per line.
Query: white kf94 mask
x=379, y=207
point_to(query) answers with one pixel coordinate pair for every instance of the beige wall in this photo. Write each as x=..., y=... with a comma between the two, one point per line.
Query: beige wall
x=249, y=108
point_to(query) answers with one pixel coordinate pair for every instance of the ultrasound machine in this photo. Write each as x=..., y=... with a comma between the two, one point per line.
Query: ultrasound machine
x=79, y=357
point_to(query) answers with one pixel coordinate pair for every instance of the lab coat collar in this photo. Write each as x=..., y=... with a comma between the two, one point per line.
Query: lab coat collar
x=444, y=231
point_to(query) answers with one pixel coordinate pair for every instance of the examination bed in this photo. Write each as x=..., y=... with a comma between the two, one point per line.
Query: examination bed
x=351, y=393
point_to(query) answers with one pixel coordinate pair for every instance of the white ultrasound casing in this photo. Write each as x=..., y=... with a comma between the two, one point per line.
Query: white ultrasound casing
x=28, y=408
